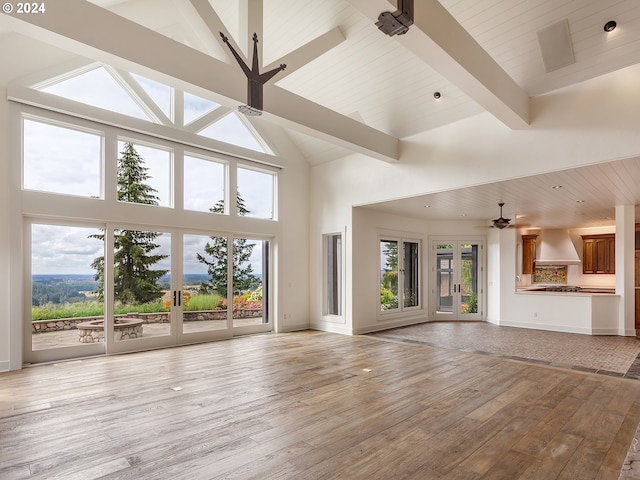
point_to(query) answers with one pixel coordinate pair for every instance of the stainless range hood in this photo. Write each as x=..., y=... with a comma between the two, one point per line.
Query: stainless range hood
x=556, y=248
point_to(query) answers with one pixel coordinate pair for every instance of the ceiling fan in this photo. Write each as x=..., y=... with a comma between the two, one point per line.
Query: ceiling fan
x=501, y=222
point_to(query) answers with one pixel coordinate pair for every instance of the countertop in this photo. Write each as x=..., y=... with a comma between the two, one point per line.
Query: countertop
x=534, y=289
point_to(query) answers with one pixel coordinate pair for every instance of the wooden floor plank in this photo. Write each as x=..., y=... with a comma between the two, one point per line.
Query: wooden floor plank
x=312, y=405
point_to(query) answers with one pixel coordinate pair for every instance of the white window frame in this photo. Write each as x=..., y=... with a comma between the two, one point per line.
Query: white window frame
x=333, y=284
x=402, y=310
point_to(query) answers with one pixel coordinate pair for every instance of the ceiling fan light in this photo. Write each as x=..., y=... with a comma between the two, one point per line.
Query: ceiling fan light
x=501, y=222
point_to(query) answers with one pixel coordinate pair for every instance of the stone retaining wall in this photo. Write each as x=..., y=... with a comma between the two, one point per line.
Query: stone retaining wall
x=43, y=326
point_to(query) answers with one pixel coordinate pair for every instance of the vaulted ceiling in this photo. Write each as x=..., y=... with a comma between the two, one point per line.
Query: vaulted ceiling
x=347, y=86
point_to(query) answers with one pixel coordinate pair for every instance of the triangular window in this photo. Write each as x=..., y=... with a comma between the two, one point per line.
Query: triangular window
x=159, y=93
x=195, y=107
x=140, y=97
x=99, y=88
x=230, y=129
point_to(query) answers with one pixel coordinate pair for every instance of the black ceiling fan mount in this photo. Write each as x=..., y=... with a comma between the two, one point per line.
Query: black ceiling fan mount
x=501, y=222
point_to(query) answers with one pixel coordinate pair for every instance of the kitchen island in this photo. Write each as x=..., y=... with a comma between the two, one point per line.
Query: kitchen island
x=590, y=310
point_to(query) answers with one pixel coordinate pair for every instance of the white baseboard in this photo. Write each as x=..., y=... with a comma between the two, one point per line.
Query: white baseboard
x=388, y=325
x=5, y=366
x=551, y=328
x=331, y=328
x=295, y=328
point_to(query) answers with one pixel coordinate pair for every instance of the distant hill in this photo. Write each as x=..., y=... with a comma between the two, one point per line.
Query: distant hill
x=59, y=289
x=69, y=288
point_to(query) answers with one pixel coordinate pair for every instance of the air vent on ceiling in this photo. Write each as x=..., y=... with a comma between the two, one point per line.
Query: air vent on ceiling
x=555, y=46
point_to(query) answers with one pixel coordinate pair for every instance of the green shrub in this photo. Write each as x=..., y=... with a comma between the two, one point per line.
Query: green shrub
x=471, y=305
x=52, y=311
x=202, y=302
x=388, y=301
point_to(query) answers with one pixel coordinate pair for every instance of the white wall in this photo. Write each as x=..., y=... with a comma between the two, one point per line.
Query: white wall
x=293, y=245
x=5, y=280
x=368, y=225
x=570, y=127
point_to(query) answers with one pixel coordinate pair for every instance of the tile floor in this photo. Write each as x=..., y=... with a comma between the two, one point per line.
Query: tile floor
x=608, y=355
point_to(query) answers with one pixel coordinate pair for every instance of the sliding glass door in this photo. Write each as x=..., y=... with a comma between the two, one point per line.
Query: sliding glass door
x=63, y=291
x=87, y=299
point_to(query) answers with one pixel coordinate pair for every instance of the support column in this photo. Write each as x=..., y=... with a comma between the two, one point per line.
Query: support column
x=625, y=261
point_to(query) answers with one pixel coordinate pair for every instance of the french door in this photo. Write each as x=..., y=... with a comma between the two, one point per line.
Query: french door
x=457, y=277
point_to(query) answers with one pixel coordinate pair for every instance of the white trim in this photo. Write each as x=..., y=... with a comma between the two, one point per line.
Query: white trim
x=331, y=328
x=402, y=311
x=71, y=108
x=458, y=240
x=400, y=323
x=551, y=327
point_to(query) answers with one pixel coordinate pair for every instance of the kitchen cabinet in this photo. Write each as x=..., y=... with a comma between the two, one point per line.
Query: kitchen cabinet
x=528, y=253
x=599, y=253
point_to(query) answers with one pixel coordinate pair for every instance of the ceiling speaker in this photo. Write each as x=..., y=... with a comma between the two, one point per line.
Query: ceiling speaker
x=555, y=46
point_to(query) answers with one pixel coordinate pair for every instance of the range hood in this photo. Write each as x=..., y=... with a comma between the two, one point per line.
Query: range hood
x=556, y=248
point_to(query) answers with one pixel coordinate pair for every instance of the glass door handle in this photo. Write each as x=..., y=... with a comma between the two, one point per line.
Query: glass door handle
x=177, y=298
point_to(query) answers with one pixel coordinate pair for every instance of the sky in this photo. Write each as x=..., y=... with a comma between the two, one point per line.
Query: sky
x=68, y=161
x=64, y=250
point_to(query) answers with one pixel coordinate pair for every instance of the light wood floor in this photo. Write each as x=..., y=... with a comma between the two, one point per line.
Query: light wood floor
x=312, y=405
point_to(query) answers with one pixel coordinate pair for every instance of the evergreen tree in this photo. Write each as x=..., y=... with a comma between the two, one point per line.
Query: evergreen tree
x=216, y=258
x=135, y=281
x=390, y=275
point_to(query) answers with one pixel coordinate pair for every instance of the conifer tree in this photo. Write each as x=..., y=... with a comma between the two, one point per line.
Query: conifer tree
x=135, y=281
x=216, y=258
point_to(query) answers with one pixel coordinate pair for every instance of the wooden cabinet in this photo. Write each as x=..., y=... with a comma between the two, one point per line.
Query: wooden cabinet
x=599, y=253
x=528, y=253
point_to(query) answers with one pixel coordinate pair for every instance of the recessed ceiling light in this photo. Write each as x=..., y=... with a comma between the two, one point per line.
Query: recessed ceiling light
x=437, y=95
x=556, y=187
x=580, y=201
x=427, y=206
x=463, y=214
x=610, y=26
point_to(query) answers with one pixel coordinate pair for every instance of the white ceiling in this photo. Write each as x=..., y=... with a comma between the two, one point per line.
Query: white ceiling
x=580, y=197
x=387, y=83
